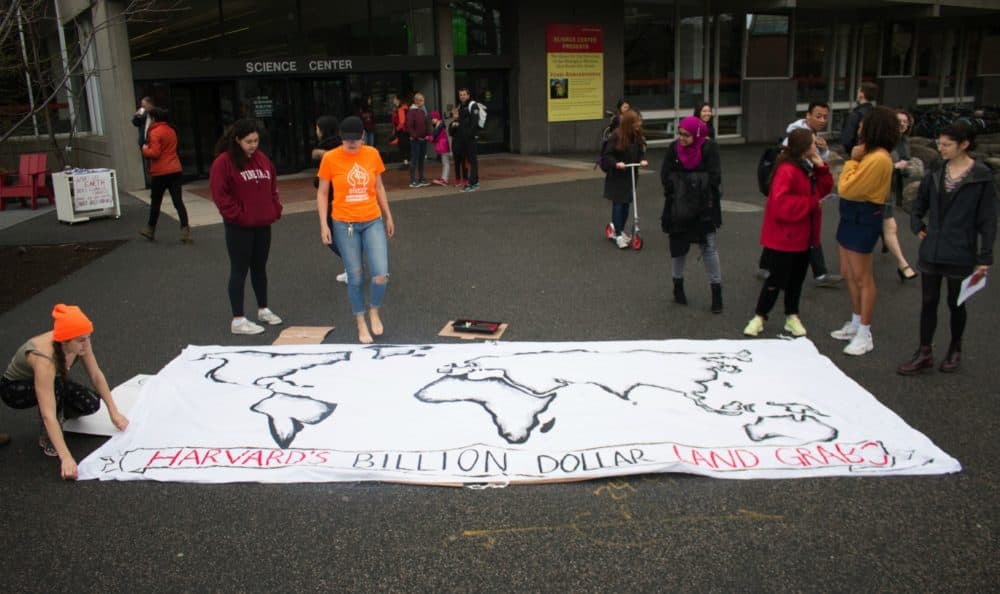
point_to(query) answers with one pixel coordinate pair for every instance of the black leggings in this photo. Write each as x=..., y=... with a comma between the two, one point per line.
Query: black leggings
x=72, y=399
x=157, y=185
x=788, y=271
x=248, y=249
x=931, y=284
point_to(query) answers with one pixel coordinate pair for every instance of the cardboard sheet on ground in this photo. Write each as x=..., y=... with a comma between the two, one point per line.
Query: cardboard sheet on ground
x=508, y=413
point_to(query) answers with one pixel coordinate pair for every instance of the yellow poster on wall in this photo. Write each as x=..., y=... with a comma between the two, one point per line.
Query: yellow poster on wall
x=575, y=85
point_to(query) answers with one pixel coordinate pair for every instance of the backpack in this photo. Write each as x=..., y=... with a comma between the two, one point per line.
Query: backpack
x=605, y=137
x=765, y=166
x=481, y=110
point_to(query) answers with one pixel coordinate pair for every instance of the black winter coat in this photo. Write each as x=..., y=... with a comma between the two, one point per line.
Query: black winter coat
x=954, y=220
x=696, y=193
x=617, y=185
x=849, y=133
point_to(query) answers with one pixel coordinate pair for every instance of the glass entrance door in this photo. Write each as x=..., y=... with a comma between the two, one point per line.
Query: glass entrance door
x=270, y=102
x=200, y=113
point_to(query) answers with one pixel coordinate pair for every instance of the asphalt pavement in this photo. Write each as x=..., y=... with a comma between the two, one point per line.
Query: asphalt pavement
x=532, y=255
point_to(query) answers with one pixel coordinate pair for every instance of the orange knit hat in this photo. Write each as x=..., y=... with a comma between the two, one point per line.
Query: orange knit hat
x=70, y=323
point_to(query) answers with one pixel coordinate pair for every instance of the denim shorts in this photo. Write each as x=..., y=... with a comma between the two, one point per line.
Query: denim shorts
x=860, y=225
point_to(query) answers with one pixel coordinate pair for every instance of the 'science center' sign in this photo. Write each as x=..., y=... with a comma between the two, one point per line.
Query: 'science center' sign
x=279, y=66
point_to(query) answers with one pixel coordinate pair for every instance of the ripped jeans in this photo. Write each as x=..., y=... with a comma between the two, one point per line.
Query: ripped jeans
x=361, y=243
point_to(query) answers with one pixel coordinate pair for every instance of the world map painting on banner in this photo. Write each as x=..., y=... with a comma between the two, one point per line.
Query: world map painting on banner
x=508, y=413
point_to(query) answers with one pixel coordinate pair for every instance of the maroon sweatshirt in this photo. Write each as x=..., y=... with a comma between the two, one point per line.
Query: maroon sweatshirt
x=248, y=198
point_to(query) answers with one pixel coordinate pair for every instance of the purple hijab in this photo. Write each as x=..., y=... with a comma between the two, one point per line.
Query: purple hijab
x=690, y=156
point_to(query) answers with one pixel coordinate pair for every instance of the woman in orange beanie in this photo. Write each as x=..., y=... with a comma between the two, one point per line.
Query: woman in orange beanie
x=37, y=375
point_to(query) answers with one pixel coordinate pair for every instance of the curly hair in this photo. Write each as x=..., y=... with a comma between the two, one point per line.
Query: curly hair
x=879, y=129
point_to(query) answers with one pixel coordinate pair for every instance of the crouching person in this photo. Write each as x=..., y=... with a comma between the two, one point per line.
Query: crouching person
x=37, y=375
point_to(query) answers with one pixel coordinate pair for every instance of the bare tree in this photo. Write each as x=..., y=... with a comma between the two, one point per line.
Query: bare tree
x=39, y=77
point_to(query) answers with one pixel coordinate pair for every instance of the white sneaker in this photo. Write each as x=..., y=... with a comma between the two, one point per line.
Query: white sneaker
x=621, y=241
x=861, y=343
x=847, y=332
x=342, y=277
x=268, y=317
x=245, y=326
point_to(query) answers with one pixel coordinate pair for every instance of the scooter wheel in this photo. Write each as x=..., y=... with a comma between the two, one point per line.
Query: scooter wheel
x=609, y=231
x=636, y=243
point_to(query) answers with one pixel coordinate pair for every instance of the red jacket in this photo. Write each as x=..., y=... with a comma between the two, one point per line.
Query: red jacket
x=792, y=216
x=161, y=150
x=247, y=197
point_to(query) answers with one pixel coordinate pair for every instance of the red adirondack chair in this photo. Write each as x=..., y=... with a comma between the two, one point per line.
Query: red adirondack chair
x=29, y=183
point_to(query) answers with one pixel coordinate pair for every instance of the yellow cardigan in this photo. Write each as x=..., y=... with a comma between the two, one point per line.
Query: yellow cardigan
x=868, y=180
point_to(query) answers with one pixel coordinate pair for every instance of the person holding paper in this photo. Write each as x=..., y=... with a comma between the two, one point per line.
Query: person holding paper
x=38, y=376
x=955, y=216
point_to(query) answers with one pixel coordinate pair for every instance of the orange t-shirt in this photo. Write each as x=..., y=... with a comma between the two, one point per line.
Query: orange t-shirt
x=353, y=178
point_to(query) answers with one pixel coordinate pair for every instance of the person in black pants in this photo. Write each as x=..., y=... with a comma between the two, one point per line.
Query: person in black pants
x=464, y=147
x=959, y=199
x=165, y=172
x=244, y=188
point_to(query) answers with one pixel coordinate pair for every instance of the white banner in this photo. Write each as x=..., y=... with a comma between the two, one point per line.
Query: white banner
x=508, y=412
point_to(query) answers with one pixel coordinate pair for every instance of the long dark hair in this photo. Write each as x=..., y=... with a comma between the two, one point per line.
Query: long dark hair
x=799, y=142
x=627, y=132
x=329, y=129
x=229, y=141
x=59, y=358
x=879, y=129
x=703, y=105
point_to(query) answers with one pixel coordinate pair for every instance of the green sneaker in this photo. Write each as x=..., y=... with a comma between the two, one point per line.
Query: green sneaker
x=793, y=325
x=754, y=327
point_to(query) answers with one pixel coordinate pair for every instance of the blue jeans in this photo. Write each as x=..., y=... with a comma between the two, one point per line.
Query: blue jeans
x=619, y=214
x=363, y=241
x=418, y=151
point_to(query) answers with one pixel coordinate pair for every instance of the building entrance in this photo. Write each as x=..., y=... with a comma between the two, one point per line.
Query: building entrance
x=200, y=113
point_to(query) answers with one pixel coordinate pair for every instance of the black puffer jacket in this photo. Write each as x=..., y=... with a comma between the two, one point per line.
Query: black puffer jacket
x=691, y=207
x=955, y=220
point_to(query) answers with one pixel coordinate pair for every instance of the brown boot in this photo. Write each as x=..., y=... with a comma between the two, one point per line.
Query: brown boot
x=148, y=232
x=186, y=235
x=4, y=439
x=922, y=359
x=953, y=359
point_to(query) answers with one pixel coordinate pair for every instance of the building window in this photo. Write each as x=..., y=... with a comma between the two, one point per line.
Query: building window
x=897, y=49
x=990, y=51
x=476, y=28
x=730, y=60
x=767, y=45
x=335, y=32
x=692, y=54
x=649, y=55
x=933, y=61
x=811, y=67
x=258, y=29
x=403, y=27
x=41, y=77
x=190, y=30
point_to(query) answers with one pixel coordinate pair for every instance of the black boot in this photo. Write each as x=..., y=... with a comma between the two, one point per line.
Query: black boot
x=716, y=298
x=952, y=359
x=922, y=359
x=679, y=296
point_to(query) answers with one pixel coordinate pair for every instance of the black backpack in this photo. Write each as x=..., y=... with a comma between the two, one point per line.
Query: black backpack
x=765, y=166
